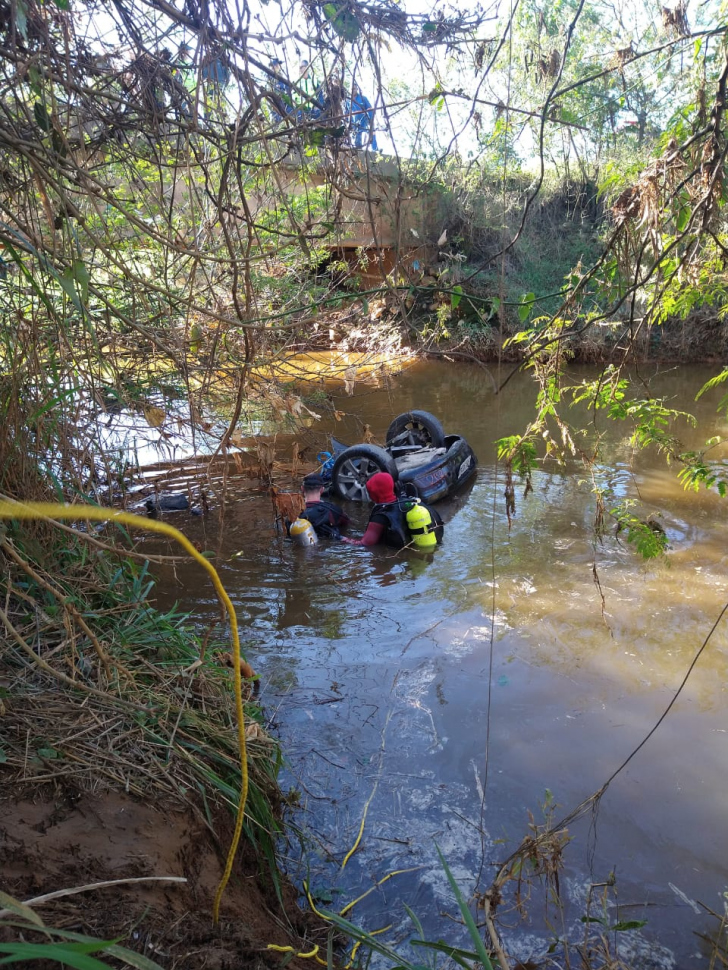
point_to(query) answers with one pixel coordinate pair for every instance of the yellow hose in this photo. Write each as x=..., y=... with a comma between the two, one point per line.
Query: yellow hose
x=83, y=513
x=290, y=949
x=395, y=872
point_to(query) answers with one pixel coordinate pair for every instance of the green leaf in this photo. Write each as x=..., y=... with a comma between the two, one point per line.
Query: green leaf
x=524, y=310
x=630, y=924
x=466, y=914
x=48, y=405
x=81, y=274
x=429, y=28
x=34, y=79
x=130, y=957
x=436, y=99
x=570, y=116
x=59, y=145
x=15, y=906
x=464, y=958
x=21, y=19
x=683, y=218
x=41, y=114
x=3, y=757
x=713, y=382
x=49, y=753
x=366, y=939
x=61, y=953
x=342, y=20
x=456, y=296
x=68, y=285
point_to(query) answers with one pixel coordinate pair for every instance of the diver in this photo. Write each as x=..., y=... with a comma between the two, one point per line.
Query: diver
x=326, y=518
x=398, y=522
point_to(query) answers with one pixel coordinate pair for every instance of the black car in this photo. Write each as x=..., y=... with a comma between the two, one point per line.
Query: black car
x=419, y=456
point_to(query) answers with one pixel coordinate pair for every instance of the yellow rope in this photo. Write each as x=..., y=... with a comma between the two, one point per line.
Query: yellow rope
x=369, y=800
x=348, y=966
x=324, y=963
x=82, y=513
x=395, y=872
x=355, y=846
x=291, y=949
x=312, y=904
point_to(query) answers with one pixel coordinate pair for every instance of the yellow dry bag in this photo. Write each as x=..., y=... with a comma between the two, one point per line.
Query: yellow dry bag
x=420, y=526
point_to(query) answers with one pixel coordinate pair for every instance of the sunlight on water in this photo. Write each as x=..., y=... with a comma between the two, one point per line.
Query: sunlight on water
x=331, y=365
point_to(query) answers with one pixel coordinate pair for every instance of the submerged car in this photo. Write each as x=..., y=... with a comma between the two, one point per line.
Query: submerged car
x=419, y=456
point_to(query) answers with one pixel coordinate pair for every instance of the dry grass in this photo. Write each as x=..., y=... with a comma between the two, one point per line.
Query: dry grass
x=100, y=690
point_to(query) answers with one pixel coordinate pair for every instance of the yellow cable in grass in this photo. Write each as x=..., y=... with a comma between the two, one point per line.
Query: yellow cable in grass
x=83, y=513
x=350, y=964
x=291, y=949
x=311, y=902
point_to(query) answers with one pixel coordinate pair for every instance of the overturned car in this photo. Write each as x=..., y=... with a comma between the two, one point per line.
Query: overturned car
x=419, y=456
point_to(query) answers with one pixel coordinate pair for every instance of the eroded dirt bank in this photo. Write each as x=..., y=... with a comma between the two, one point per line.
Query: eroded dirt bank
x=56, y=838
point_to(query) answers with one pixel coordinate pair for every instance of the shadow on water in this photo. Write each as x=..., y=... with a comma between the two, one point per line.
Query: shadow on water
x=442, y=698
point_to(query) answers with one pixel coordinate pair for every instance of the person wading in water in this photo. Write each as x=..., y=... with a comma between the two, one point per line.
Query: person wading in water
x=388, y=520
x=326, y=518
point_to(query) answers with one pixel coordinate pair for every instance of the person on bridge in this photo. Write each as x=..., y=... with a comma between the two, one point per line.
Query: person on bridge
x=283, y=91
x=309, y=104
x=362, y=120
x=388, y=519
x=326, y=518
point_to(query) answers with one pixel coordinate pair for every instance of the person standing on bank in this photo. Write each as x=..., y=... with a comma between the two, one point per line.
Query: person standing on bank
x=362, y=120
x=388, y=519
x=326, y=518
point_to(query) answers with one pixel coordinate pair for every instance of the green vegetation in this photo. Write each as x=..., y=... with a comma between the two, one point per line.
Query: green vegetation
x=62, y=947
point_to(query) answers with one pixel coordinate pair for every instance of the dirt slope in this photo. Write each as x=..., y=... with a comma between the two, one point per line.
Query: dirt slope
x=58, y=839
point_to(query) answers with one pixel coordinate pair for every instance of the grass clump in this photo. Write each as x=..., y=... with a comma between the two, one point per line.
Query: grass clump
x=101, y=689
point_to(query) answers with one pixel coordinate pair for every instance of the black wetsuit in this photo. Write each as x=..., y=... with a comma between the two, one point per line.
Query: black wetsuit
x=327, y=519
x=393, y=518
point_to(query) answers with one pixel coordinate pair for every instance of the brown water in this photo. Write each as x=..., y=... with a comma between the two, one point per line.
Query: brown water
x=415, y=688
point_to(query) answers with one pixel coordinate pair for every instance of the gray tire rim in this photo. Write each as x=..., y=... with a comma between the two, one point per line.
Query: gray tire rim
x=352, y=478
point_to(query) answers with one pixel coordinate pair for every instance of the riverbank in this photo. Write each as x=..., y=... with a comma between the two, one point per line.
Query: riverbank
x=163, y=861
x=121, y=765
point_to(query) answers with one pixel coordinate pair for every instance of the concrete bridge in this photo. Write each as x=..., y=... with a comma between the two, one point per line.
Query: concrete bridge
x=377, y=210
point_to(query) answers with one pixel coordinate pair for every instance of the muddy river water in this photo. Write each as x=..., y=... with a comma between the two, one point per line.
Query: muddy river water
x=440, y=701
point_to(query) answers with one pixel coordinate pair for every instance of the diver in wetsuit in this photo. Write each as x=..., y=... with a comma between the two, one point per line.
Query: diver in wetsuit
x=388, y=519
x=326, y=518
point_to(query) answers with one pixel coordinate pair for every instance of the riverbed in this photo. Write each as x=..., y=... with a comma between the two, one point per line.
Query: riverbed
x=451, y=702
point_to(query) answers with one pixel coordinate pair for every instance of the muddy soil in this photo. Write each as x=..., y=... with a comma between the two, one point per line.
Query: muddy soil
x=56, y=839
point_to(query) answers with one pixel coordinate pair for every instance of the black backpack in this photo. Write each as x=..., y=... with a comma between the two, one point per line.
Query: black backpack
x=320, y=516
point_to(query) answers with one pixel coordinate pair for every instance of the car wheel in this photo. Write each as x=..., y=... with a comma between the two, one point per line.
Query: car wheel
x=355, y=466
x=416, y=428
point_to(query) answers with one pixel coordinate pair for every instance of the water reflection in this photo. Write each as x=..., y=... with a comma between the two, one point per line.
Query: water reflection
x=447, y=695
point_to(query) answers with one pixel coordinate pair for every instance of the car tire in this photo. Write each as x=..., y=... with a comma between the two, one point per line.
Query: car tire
x=355, y=466
x=416, y=428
